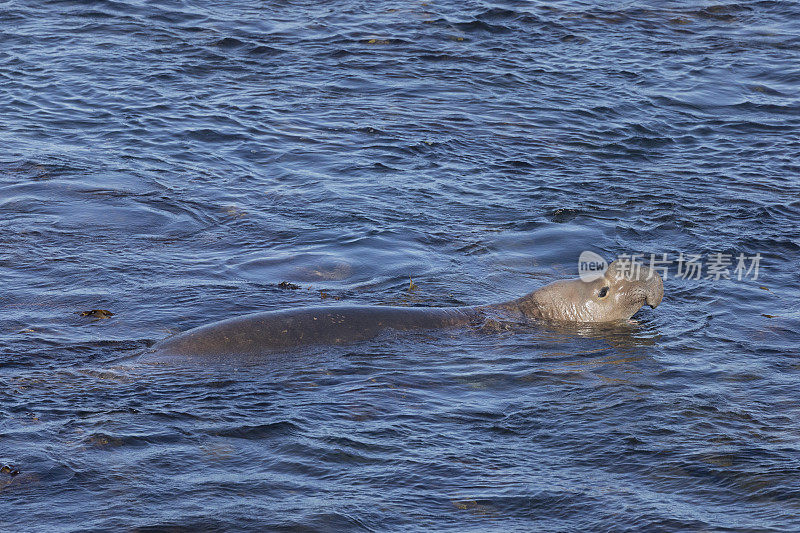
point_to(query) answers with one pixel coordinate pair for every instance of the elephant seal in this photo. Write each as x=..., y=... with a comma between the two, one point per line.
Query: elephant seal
x=612, y=297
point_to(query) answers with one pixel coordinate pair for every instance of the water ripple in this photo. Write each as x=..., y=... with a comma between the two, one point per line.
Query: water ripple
x=175, y=162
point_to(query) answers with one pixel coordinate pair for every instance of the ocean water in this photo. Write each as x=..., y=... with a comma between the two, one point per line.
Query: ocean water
x=174, y=161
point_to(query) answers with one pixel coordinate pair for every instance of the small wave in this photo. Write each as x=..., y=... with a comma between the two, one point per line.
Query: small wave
x=258, y=431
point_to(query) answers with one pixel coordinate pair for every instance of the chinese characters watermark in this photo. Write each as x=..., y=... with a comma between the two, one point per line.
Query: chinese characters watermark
x=712, y=266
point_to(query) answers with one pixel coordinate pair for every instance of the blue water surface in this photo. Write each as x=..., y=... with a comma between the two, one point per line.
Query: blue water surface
x=174, y=161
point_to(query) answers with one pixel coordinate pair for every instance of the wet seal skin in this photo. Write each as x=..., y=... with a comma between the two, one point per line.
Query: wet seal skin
x=610, y=298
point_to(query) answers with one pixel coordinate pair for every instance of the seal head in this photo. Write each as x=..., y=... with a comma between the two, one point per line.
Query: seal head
x=617, y=295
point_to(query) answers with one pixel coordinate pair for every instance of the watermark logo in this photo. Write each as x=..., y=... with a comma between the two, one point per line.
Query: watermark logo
x=713, y=266
x=591, y=266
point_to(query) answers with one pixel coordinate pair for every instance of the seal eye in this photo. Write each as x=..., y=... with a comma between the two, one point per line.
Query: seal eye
x=602, y=292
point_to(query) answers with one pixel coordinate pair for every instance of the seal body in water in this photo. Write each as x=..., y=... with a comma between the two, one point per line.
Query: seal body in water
x=612, y=297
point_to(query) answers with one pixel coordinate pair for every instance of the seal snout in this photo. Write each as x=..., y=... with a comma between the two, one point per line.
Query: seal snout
x=655, y=289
